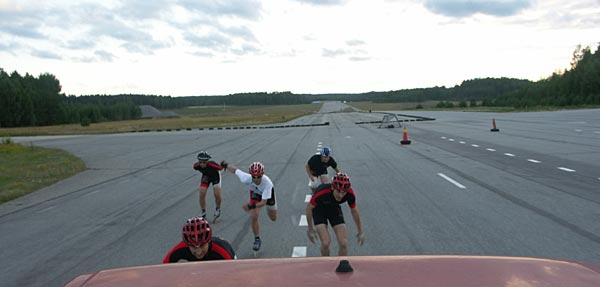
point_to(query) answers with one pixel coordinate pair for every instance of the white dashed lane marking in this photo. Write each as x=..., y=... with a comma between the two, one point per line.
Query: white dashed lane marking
x=303, y=221
x=451, y=180
x=299, y=251
x=566, y=169
x=533, y=160
x=509, y=154
x=490, y=149
x=474, y=145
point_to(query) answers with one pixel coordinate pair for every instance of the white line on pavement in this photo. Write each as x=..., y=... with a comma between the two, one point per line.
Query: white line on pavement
x=299, y=251
x=490, y=149
x=566, y=169
x=508, y=154
x=451, y=180
x=303, y=221
x=444, y=137
x=533, y=160
x=451, y=140
x=463, y=142
x=474, y=145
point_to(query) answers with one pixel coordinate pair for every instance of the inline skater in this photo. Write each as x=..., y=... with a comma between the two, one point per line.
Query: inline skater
x=316, y=168
x=324, y=206
x=262, y=193
x=198, y=244
x=211, y=174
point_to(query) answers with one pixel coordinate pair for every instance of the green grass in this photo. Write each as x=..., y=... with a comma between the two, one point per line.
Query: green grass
x=191, y=117
x=24, y=169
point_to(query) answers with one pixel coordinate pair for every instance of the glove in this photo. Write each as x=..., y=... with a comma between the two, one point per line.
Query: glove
x=224, y=164
x=312, y=236
x=360, y=238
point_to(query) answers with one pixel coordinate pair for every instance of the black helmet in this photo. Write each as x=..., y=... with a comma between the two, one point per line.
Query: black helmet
x=204, y=156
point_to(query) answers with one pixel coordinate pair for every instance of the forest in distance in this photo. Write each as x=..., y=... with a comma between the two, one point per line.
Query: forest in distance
x=38, y=101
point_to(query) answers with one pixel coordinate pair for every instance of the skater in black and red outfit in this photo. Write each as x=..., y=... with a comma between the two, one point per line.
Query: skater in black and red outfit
x=211, y=174
x=325, y=206
x=198, y=244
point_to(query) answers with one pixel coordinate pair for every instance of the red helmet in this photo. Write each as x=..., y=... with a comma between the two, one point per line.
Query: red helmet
x=257, y=168
x=196, y=232
x=341, y=181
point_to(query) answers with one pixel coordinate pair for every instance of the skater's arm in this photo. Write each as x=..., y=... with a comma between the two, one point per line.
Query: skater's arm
x=309, y=172
x=356, y=217
x=309, y=218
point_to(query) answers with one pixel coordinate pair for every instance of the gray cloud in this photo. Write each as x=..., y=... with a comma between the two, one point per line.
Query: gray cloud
x=131, y=23
x=465, y=8
x=355, y=43
x=322, y=2
x=333, y=53
x=247, y=9
x=45, y=55
x=214, y=41
x=104, y=56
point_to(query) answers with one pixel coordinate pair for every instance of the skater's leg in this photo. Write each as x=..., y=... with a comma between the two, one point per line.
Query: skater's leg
x=340, y=234
x=325, y=238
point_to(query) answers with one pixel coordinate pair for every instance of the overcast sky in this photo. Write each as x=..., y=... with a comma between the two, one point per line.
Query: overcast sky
x=207, y=47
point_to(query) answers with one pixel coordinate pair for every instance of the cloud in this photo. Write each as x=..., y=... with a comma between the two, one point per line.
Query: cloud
x=355, y=43
x=234, y=8
x=465, y=8
x=323, y=2
x=333, y=53
x=104, y=56
x=45, y=55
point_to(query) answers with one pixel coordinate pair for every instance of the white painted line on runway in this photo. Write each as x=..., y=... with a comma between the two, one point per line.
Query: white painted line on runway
x=444, y=137
x=451, y=180
x=307, y=198
x=490, y=149
x=299, y=251
x=508, y=154
x=451, y=140
x=303, y=221
x=533, y=160
x=566, y=169
x=463, y=142
x=474, y=145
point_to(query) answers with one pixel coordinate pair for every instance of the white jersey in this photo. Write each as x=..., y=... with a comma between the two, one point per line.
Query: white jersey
x=264, y=189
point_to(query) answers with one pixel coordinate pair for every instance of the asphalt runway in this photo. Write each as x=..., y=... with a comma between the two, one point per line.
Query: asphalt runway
x=532, y=189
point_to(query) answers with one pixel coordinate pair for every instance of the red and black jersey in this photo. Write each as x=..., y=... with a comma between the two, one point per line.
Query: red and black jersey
x=318, y=167
x=218, y=249
x=324, y=197
x=211, y=168
x=210, y=173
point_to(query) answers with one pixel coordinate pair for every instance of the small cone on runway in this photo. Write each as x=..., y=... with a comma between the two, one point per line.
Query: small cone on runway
x=494, y=125
x=405, y=138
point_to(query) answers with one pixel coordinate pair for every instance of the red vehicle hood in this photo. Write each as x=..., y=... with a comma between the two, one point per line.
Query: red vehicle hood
x=422, y=271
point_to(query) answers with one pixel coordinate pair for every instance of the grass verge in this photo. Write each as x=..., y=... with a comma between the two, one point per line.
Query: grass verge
x=191, y=117
x=24, y=169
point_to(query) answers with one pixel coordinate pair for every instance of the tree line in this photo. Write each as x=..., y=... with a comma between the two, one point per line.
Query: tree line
x=30, y=101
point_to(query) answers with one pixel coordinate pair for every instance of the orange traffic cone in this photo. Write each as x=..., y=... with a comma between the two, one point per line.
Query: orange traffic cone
x=494, y=124
x=405, y=138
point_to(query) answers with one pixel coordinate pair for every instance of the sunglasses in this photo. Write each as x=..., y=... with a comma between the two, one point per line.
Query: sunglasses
x=257, y=176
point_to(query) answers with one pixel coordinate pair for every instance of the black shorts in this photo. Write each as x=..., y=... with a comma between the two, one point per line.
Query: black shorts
x=207, y=180
x=333, y=213
x=256, y=198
